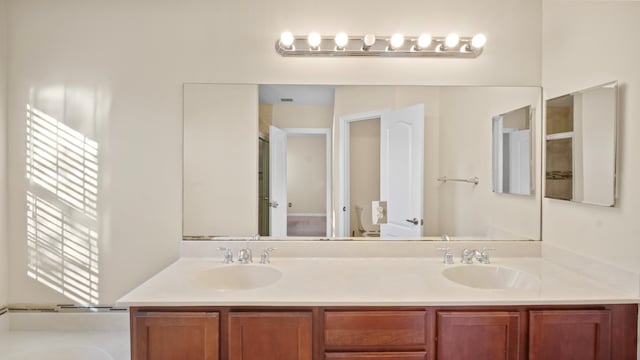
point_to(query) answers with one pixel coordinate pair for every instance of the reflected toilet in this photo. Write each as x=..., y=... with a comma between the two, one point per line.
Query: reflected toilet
x=361, y=230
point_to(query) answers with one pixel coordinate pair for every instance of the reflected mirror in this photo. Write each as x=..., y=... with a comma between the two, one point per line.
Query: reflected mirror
x=345, y=162
x=581, y=146
x=512, y=140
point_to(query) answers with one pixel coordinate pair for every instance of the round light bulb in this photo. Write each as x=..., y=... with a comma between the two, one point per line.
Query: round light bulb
x=342, y=40
x=424, y=41
x=478, y=41
x=452, y=40
x=396, y=41
x=314, y=40
x=369, y=40
x=286, y=39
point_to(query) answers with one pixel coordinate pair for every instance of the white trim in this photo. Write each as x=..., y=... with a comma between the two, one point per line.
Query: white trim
x=327, y=137
x=498, y=122
x=342, y=228
x=306, y=214
x=558, y=136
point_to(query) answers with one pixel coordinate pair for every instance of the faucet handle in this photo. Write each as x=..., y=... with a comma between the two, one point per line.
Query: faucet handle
x=447, y=257
x=265, y=257
x=484, y=255
x=228, y=255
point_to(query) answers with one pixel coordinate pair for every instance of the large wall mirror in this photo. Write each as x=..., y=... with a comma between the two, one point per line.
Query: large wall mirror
x=581, y=146
x=360, y=162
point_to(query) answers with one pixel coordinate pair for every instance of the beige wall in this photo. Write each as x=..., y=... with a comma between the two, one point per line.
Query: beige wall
x=4, y=244
x=606, y=233
x=302, y=116
x=136, y=56
x=265, y=118
x=306, y=174
x=218, y=192
x=364, y=170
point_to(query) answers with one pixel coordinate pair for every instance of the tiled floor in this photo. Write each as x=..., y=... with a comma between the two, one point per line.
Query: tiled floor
x=64, y=337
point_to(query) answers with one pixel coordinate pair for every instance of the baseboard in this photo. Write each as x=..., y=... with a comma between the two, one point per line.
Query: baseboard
x=66, y=317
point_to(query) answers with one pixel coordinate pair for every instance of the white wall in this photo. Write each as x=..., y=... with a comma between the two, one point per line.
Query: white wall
x=133, y=57
x=610, y=234
x=307, y=174
x=466, y=152
x=219, y=189
x=302, y=116
x=4, y=244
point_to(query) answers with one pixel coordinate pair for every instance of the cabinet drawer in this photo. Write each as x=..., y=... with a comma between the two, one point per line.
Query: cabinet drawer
x=377, y=356
x=380, y=330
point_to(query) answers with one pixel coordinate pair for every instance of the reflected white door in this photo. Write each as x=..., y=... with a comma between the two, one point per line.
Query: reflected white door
x=401, y=171
x=519, y=164
x=277, y=181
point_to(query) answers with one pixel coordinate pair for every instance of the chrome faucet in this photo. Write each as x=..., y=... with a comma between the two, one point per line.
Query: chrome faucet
x=245, y=256
x=481, y=257
x=467, y=256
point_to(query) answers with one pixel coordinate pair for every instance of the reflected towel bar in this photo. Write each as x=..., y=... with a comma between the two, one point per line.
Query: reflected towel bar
x=473, y=180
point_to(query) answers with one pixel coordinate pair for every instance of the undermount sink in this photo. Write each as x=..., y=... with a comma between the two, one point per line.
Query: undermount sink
x=491, y=277
x=238, y=277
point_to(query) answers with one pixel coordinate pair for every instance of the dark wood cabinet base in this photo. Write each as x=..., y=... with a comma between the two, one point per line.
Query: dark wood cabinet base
x=559, y=332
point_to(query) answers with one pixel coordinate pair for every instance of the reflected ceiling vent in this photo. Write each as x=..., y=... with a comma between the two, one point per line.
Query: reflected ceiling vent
x=396, y=45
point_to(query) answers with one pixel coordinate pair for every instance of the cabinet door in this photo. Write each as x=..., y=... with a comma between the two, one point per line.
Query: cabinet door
x=570, y=334
x=175, y=335
x=491, y=335
x=270, y=336
x=377, y=356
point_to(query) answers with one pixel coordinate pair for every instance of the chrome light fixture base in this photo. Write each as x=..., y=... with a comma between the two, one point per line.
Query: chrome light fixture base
x=382, y=48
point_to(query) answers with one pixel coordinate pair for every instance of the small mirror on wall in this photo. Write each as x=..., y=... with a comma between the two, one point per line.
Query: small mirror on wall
x=512, y=152
x=581, y=146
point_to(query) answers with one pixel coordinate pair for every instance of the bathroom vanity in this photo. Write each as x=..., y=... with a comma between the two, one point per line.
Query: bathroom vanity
x=356, y=308
x=408, y=333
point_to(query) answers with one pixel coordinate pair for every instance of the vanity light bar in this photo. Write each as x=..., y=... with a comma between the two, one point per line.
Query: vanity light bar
x=395, y=45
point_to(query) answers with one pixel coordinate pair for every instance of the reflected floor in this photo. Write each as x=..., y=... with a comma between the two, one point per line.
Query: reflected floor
x=306, y=225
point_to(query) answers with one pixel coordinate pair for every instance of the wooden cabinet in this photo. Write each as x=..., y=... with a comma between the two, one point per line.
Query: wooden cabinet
x=386, y=333
x=492, y=335
x=175, y=335
x=375, y=330
x=570, y=335
x=270, y=336
x=377, y=356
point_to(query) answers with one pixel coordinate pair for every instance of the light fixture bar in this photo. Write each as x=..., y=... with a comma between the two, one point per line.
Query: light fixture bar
x=382, y=47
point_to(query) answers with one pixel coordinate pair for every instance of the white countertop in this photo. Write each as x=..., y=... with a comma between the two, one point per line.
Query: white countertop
x=369, y=281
